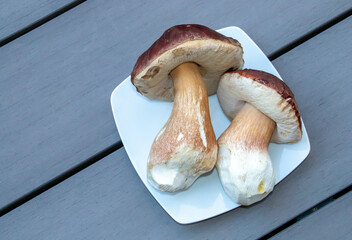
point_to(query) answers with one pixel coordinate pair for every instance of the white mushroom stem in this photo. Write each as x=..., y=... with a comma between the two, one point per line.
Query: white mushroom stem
x=244, y=164
x=186, y=146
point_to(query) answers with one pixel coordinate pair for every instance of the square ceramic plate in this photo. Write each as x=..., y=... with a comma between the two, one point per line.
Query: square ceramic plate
x=139, y=120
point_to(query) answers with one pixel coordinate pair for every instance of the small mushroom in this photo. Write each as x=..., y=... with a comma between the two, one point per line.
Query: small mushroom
x=184, y=65
x=262, y=108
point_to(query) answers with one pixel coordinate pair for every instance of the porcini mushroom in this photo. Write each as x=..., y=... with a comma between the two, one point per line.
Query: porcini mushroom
x=262, y=108
x=184, y=65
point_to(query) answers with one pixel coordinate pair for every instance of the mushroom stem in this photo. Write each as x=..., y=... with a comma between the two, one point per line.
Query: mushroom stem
x=186, y=146
x=244, y=163
x=189, y=87
x=250, y=128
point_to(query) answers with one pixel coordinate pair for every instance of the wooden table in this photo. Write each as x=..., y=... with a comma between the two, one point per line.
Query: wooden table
x=64, y=173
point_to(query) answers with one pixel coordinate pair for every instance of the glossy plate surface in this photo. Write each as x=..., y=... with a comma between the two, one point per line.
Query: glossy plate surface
x=139, y=120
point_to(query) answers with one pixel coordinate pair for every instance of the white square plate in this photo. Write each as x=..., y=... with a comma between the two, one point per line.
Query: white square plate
x=139, y=120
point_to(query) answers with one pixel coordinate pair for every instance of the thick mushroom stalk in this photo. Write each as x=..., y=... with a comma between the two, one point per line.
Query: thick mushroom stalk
x=244, y=164
x=186, y=146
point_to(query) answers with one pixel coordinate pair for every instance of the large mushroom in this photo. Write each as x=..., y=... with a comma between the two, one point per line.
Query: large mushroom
x=184, y=65
x=262, y=108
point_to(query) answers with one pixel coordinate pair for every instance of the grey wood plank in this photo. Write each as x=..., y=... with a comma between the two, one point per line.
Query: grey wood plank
x=334, y=221
x=108, y=201
x=18, y=14
x=56, y=80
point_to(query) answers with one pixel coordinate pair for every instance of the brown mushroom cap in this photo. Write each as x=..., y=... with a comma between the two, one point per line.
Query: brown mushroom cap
x=268, y=94
x=213, y=52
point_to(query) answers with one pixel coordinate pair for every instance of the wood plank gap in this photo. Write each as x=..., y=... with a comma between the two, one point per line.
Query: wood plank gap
x=310, y=35
x=308, y=212
x=40, y=22
x=60, y=178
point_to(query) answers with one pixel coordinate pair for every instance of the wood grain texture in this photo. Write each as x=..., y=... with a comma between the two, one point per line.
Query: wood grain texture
x=18, y=14
x=331, y=222
x=56, y=80
x=108, y=200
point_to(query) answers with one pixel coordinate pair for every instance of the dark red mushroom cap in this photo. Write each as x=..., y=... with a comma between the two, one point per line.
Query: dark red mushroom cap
x=268, y=94
x=213, y=52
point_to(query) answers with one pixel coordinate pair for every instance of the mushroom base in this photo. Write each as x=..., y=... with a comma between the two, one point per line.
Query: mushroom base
x=181, y=170
x=246, y=176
